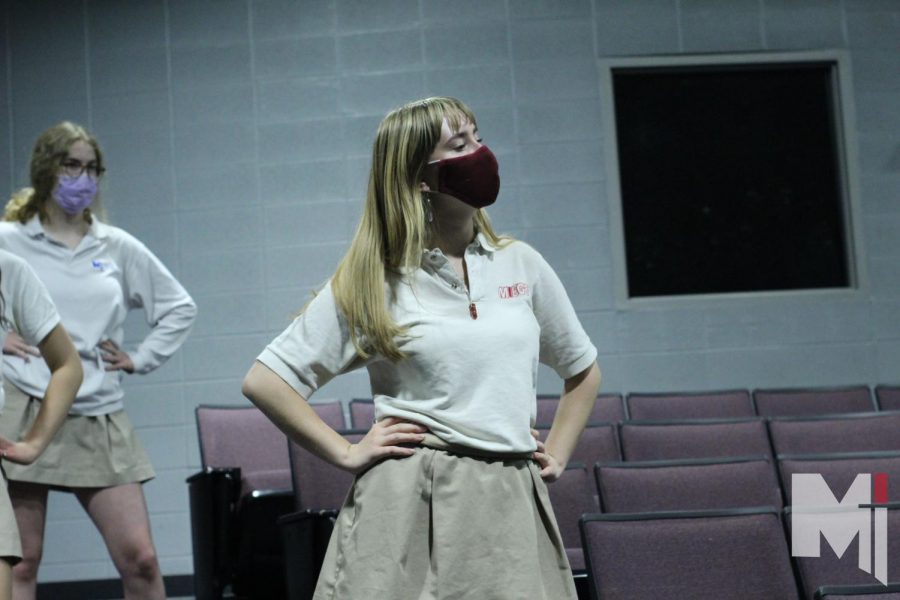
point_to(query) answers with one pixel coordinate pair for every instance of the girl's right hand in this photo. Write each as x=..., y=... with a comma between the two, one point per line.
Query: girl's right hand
x=383, y=441
x=16, y=346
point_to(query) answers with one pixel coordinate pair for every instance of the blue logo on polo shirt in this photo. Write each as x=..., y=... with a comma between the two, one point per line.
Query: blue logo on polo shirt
x=100, y=265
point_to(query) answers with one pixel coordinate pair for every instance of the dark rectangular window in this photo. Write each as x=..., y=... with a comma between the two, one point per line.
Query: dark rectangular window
x=731, y=178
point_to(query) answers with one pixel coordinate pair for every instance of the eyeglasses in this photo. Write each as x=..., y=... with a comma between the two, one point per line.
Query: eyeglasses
x=75, y=168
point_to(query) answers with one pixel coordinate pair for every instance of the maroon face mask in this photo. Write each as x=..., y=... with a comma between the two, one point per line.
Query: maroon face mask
x=473, y=178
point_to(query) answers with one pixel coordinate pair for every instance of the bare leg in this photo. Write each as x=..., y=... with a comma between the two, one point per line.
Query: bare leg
x=120, y=513
x=5, y=580
x=29, y=502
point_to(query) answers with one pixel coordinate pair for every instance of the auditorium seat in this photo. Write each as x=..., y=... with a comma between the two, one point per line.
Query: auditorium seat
x=859, y=432
x=813, y=401
x=698, y=484
x=607, y=409
x=573, y=495
x=695, y=405
x=599, y=442
x=234, y=501
x=697, y=438
x=701, y=555
x=244, y=485
x=319, y=492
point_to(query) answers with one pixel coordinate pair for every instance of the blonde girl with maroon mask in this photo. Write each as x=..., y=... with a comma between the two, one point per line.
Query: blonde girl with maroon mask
x=451, y=320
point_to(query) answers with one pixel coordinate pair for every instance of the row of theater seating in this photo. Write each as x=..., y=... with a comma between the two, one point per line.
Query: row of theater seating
x=637, y=527
x=708, y=405
x=712, y=446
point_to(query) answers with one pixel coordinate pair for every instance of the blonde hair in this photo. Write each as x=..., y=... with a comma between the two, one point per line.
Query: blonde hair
x=393, y=232
x=50, y=149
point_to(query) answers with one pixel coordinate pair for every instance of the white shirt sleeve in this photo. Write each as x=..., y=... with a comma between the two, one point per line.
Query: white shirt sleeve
x=565, y=347
x=314, y=348
x=169, y=309
x=28, y=306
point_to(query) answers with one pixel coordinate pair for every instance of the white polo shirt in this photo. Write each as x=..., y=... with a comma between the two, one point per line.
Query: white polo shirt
x=93, y=287
x=470, y=381
x=27, y=307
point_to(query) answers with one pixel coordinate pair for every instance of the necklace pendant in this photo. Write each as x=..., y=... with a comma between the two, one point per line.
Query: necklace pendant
x=473, y=312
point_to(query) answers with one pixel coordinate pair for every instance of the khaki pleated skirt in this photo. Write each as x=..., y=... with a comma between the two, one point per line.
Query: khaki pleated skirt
x=445, y=524
x=10, y=543
x=87, y=451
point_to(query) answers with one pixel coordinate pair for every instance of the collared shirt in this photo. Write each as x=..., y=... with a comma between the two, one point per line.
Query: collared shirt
x=471, y=381
x=27, y=307
x=93, y=287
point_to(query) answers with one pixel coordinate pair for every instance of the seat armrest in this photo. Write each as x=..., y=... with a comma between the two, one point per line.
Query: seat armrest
x=259, y=572
x=213, y=494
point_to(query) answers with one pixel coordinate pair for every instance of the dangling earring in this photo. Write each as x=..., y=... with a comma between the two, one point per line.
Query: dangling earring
x=429, y=213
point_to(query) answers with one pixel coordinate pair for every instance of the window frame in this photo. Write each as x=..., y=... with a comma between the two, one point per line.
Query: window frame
x=848, y=171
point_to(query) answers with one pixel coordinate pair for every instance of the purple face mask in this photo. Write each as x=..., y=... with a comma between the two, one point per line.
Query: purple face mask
x=74, y=194
x=473, y=178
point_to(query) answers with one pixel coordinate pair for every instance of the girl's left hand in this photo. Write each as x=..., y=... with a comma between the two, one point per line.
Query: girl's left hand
x=551, y=470
x=21, y=453
x=116, y=359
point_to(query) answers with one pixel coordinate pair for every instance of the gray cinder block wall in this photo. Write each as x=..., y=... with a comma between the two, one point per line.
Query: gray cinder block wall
x=237, y=134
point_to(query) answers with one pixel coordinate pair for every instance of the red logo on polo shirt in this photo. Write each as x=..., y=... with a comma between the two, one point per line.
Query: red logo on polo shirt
x=513, y=291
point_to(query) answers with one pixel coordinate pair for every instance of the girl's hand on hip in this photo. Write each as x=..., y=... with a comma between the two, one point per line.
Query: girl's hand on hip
x=383, y=441
x=16, y=346
x=551, y=470
x=116, y=359
x=21, y=453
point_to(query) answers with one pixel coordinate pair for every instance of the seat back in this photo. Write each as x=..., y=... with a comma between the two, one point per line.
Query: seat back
x=699, y=405
x=599, y=442
x=888, y=397
x=702, y=555
x=702, y=484
x=839, y=470
x=330, y=411
x=573, y=495
x=319, y=485
x=609, y=408
x=700, y=438
x=860, y=432
x=362, y=413
x=815, y=401
x=243, y=437
x=829, y=570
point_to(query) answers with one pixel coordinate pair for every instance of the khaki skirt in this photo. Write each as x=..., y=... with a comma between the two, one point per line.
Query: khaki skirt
x=446, y=524
x=10, y=544
x=87, y=451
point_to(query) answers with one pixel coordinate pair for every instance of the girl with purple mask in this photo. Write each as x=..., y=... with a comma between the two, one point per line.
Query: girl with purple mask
x=451, y=320
x=95, y=273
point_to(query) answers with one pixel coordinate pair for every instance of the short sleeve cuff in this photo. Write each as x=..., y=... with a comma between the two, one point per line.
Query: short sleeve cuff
x=574, y=367
x=41, y=332
x=281, y=368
